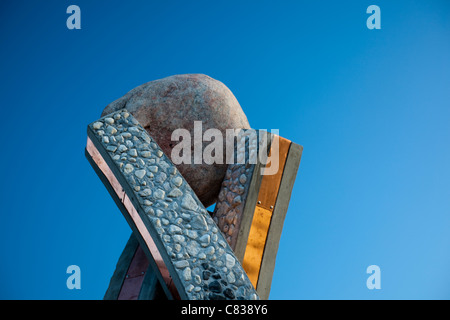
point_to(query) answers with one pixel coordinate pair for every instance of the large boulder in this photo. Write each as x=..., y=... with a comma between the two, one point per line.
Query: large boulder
x=161, y=106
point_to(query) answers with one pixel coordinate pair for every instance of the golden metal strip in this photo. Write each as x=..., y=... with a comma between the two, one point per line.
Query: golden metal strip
x=256, y=242
x=271, y=183
x=262, y=215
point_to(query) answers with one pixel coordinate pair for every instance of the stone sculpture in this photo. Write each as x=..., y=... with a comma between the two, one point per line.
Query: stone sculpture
x=190, y=254
x=178, y=249
x=161, y=106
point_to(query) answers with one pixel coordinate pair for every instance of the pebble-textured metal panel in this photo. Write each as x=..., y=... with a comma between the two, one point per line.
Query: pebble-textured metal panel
x=199, y=260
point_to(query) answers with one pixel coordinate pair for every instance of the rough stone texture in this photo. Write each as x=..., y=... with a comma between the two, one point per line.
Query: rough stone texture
x=161, y=106
x=203, y=262
x=233, y=194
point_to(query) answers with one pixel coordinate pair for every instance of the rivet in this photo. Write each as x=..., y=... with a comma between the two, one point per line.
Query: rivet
x=259, y=202
x=271, y=207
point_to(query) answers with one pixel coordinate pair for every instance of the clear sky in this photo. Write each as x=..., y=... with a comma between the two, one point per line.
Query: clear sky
x=370, y=107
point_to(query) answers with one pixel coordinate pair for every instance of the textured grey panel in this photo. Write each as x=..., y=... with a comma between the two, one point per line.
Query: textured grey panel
x=200, y=262
x=234, y=209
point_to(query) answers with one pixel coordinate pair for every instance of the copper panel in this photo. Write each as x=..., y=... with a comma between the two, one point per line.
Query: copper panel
x=256, y=243
x=103, y=166
x=132, y=284
x=138, y=265
x=271, y=183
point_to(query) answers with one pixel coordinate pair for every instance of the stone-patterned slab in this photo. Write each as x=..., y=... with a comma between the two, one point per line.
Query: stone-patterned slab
x=200, y=262
x=237, y=187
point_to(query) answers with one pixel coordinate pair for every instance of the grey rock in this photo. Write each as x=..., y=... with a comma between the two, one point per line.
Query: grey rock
x=177, y=181
x=173, y=229
x=197, y=279
x=128, y=168
x=122, y=148
x=174, y=193
x=97, y=125
x=189, y=203
x=222, y=244
x=178, y=238
x=181, y=264
x=205, y=239
x=187, y=276
x=163, y=105
x=210, y=250
x=109, y=120
x=140, y=173
x=161, y=177
x=110, y=130
x=236, y=201
x=159, y=194
x=133, y=130
x=201, y=256
x=198, y=222
x=133, y=153
x=229, y=293
x=111, y=148
x=229, y=261
x=231, y=278
x=192, y=234
x=215, y=286
x=153, y=169
x=146, y=154
x=193, y=248
x=145, y=193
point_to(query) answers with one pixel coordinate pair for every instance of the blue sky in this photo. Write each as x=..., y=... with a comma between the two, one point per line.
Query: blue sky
x=370, y=107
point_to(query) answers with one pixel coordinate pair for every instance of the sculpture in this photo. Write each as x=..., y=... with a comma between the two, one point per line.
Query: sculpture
x=178, y=249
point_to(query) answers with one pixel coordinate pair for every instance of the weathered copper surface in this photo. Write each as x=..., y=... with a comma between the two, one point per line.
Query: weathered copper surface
x=132, y=284
x=99, y=161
